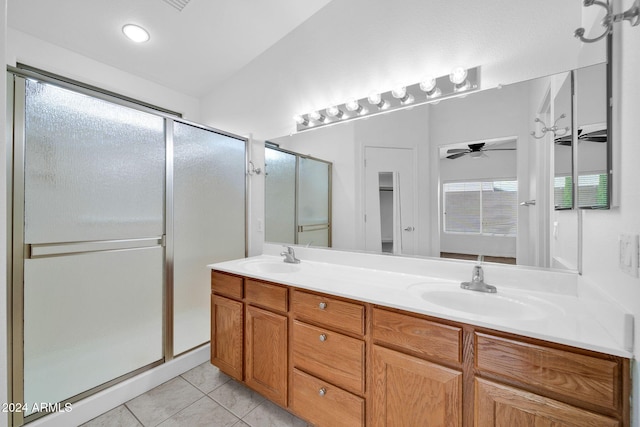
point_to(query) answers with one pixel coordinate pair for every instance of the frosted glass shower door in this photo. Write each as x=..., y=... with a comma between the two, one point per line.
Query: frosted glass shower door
x=208, y=222
x=280, y=196
x=314, y=182
x=93, y=188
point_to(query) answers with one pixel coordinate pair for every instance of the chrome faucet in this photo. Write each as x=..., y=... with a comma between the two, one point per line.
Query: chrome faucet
x=289, y=255
x=477, y=280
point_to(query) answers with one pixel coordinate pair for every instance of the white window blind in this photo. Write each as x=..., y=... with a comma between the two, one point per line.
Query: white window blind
x=481, y=207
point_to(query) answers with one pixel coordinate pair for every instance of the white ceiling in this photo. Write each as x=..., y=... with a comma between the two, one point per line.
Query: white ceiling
x=191, y=51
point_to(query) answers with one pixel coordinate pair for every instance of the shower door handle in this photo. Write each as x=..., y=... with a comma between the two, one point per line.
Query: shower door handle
x=409, y=228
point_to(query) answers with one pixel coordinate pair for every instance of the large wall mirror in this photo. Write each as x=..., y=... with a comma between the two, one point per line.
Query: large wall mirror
x=488, y=174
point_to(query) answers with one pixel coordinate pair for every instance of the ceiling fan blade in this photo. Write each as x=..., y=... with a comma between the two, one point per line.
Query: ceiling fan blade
x=455, y=156
x=499, y=149
x=457, y=150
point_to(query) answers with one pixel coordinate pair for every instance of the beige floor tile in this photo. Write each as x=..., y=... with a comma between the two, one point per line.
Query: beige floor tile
x=271, y=415
x=160, y=403
x=206, y=377
x=236, y=398
x=120, y=417
x=204, y=413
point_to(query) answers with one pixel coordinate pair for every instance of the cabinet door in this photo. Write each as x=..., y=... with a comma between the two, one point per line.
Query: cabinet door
x=502, y=406
x=408, y=391
x=266, y=353
x=226, y=335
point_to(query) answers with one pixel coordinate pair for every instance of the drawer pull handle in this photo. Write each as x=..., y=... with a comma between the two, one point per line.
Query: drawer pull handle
x=322, y=391
x=322, y=305
x=323, y=337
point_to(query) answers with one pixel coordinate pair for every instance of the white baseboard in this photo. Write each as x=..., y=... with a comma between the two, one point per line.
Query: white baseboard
x=89, y=408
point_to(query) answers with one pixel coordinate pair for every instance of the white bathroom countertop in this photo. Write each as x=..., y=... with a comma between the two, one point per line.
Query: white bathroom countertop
x=559, y=317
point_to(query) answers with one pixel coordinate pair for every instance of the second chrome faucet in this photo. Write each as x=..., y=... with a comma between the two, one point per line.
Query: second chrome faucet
x=477, y=280
x=289, y=255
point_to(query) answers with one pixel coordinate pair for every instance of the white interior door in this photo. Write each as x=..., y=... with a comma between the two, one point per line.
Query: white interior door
x=400, y=164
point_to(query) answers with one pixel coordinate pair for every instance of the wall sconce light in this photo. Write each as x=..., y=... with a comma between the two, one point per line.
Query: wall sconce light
x=401, y=94
x=554, y=129
x=632, y=15
x=459, y=82
x=375, y=98
x=458, y=77
x=335, y=112
x=354, y=106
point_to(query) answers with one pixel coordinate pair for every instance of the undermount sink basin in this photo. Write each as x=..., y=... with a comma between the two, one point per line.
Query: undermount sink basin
x=270, y=267
x=503, y=305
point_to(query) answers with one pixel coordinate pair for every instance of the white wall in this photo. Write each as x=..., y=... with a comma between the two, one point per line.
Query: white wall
x=38, y=53
x=602, y=228
x=351, y=47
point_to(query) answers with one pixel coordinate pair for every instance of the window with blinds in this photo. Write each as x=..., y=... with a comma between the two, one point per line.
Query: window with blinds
x=481, y=207
x=592, y=191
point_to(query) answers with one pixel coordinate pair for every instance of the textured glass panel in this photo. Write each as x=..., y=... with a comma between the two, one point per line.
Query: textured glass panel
x=88, y=319
x=209, y=223
x=280, y=196
x=93, y=170
x=313, y=192
x=319, y=238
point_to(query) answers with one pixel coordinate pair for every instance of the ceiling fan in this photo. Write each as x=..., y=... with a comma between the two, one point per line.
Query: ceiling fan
x=474, y=150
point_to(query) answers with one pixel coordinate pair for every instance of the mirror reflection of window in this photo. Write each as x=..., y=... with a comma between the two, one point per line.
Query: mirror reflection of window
x=593, y=176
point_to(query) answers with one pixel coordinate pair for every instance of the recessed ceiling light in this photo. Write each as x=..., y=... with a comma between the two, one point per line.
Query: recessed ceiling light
x=135, y=33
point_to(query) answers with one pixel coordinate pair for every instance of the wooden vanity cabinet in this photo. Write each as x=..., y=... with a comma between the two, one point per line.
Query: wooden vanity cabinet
x=328, y=351
x=406, y=389
x=249, y=329
x=343, y=363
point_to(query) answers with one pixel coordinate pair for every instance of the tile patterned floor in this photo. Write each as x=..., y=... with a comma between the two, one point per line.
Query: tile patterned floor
x=201, y=397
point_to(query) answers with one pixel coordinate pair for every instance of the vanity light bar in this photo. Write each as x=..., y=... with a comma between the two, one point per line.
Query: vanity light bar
x=415, y=94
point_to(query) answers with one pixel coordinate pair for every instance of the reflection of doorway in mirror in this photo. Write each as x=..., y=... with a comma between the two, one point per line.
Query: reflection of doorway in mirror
x=397, y=164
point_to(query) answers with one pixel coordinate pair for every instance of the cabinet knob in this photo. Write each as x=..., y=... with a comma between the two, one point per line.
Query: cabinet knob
x=322, y=391
x=322, y=305
x=323, y=337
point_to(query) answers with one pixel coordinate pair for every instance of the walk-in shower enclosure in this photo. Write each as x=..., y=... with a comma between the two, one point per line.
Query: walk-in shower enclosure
x=116, y=210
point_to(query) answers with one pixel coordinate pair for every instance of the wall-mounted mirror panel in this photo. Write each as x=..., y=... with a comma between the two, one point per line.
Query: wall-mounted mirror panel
x=483, y=184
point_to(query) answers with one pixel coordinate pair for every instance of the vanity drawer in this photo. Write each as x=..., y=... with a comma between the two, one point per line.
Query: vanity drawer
x=421, y=336
x=226, y=284
x=330, y=355
x=325, y=405
x=343, y=315
x=592, y=380
x=266, y=295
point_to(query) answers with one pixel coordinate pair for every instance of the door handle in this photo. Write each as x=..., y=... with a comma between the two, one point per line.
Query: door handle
x=409, y=228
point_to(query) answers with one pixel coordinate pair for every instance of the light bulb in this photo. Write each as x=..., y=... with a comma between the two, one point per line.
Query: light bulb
x=458, y=75
x=354, y=105
x=135, y=33
x=376, y=99
x=315, y=115
x=301, y=120
x=334, y=112
x=401, y=94
x=428, y=84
